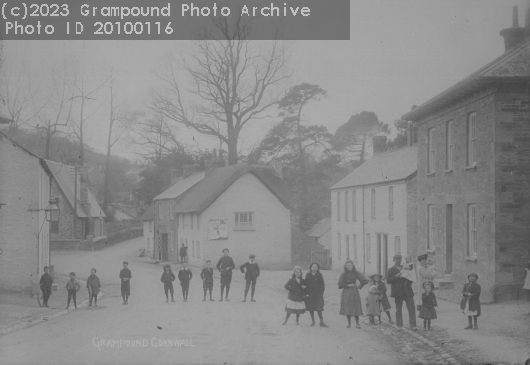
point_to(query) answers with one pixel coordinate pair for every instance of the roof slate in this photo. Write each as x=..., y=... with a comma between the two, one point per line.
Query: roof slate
x=149, y=214
x=206, y=191
x=389, y=166
x=512, y=65
x=181, y=186
x=61, y=174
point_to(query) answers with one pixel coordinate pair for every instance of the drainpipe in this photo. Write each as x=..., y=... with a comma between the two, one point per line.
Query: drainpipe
x=364, y=243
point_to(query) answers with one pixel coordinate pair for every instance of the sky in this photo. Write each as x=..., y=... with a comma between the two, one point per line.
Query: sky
x=400, y=53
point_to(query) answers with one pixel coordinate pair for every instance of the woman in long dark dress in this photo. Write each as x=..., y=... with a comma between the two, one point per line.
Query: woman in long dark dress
x=295, y=300
x=350, y=303
x=314, y=299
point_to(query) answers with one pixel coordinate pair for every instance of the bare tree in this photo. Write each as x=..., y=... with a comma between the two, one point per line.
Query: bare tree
x=232, y=79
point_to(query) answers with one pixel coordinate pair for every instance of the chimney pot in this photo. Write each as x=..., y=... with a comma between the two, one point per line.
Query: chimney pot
x=514, y=35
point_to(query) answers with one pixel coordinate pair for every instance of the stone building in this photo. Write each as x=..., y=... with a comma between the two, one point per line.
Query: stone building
x=81, y=214
x=372, y=210
x=24, y=231
x=474, y=173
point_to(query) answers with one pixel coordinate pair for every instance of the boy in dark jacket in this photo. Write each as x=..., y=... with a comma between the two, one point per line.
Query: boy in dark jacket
x=125, y=277
x=185, y=276
x=251, y=271
x=93, y=285
x=167, y=278
x=45, y=284
x=225, y=266
x=72, y=286
x=207, y=279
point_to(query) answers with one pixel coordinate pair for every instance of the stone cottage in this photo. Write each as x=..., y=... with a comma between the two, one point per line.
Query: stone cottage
x=474, y=173
x=24, y=230
x=371, y=215
x=148, y=229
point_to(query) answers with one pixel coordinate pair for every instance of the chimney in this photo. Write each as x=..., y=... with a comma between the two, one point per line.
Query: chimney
x=514, y=35
x=277, y=167
x=187, y=170
x=379, y=144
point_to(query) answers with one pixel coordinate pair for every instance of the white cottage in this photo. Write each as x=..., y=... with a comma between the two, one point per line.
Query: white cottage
x=373, y=211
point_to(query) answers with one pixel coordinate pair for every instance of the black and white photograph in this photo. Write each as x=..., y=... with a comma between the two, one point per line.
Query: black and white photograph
x=328, y=182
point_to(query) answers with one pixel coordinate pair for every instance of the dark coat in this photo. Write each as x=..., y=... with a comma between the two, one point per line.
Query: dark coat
x=167, y=277
x=125, y=274
x=93, y=284
x=46, y=281
x=226, y=265
x=252, y=270
x=399, y=287
x=381, y=288
x=428, y=300
x=296, y=292
x=347, y=278
x=474, y=299
x=183, y=251
x=207, y=275
x=315, y=290
x=185, y=275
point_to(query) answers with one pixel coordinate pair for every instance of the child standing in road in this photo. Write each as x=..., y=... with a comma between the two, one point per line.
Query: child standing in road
x=72, y=286
x=167, y=278
x=45, y=284
x=125, y=276
x=428, y=302
x=377, y=280
x=373, y=306
x=295, y=300
x=207, y=279
x=93, y=285
x=470, y=303
x=185, y=276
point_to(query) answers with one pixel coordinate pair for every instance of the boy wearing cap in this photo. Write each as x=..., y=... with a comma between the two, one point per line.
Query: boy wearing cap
x=225, y=266
x=125, y=277
x=207, y=279
x=185, y=276
x=45, y=284
x=251, y=271
x=401, y=291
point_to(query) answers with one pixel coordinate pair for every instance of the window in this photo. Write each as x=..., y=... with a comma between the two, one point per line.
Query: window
x=373, y=204
x=347, y=239
x=391, y=202
x=151, y=223
x=354, y=205
x=198, y=220
x=191, y=220
x=471, y=139
x=159, y=210
x=244, y=221
x=355, y=247
x=431, y=233
x=346, y=206
x=171, y=243
x=472, y=230
x=430, y=145
x=193, y=248
x=178, y=220
x=198, y=249
x=54, y=227
x=368, y=248
x=397, y=245
x=168, y=211
x=181, y=216
x=148, y=245
x=338, y=205
x=449, y=146
x=339, y=243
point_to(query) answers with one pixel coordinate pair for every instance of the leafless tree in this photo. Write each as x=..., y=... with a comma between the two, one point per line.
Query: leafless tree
x=232, y=83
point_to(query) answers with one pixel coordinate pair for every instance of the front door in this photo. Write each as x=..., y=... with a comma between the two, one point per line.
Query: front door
x=449, y=239
x=164, y=247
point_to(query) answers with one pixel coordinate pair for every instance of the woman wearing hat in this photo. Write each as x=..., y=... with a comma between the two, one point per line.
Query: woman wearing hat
x=350, y=303
x=295, y=300
x=425, y=273
x=314, y=300
x=377, y=279
x=470, y=303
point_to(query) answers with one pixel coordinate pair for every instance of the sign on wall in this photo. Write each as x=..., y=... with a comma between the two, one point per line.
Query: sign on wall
x=218, y=229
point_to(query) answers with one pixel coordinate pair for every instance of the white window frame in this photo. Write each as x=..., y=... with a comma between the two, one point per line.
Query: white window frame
x=148, y=244
x=347, y=240
x=354, y=205
x=431, y=226
x=449, y=147
x=191, y=220
x=472, y=139
x=346, y=207
x=338, y=206
x=192, y=248
x=244, y=225
x=198, y=249
x=339, y=246
x=171, y=243
x=431, y=151
x=372, y=200
x=354, y=238
x=151, y=224
x=397, y=245
x=391, y=202
x=160, y=210
x=198, y=221
x=368, y=248
x=472, y=236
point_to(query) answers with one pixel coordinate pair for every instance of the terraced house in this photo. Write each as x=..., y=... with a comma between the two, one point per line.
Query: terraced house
x=474, y=173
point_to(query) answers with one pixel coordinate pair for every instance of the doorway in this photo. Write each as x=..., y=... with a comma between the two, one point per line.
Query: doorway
x=164, y=248
x=449, y=238
x=382, y=253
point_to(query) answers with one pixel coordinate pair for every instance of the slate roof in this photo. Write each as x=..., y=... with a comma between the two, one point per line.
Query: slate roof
x=385, y=167
x=320, y=228
x=181, y=186
x=512, y=65
x=149, y=214
x=206, y=191
x=61, y=174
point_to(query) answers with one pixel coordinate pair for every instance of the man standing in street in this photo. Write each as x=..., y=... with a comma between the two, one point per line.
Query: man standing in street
x=401, y=290
x=225, y=266
x=251, y=275
x=183, y=253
